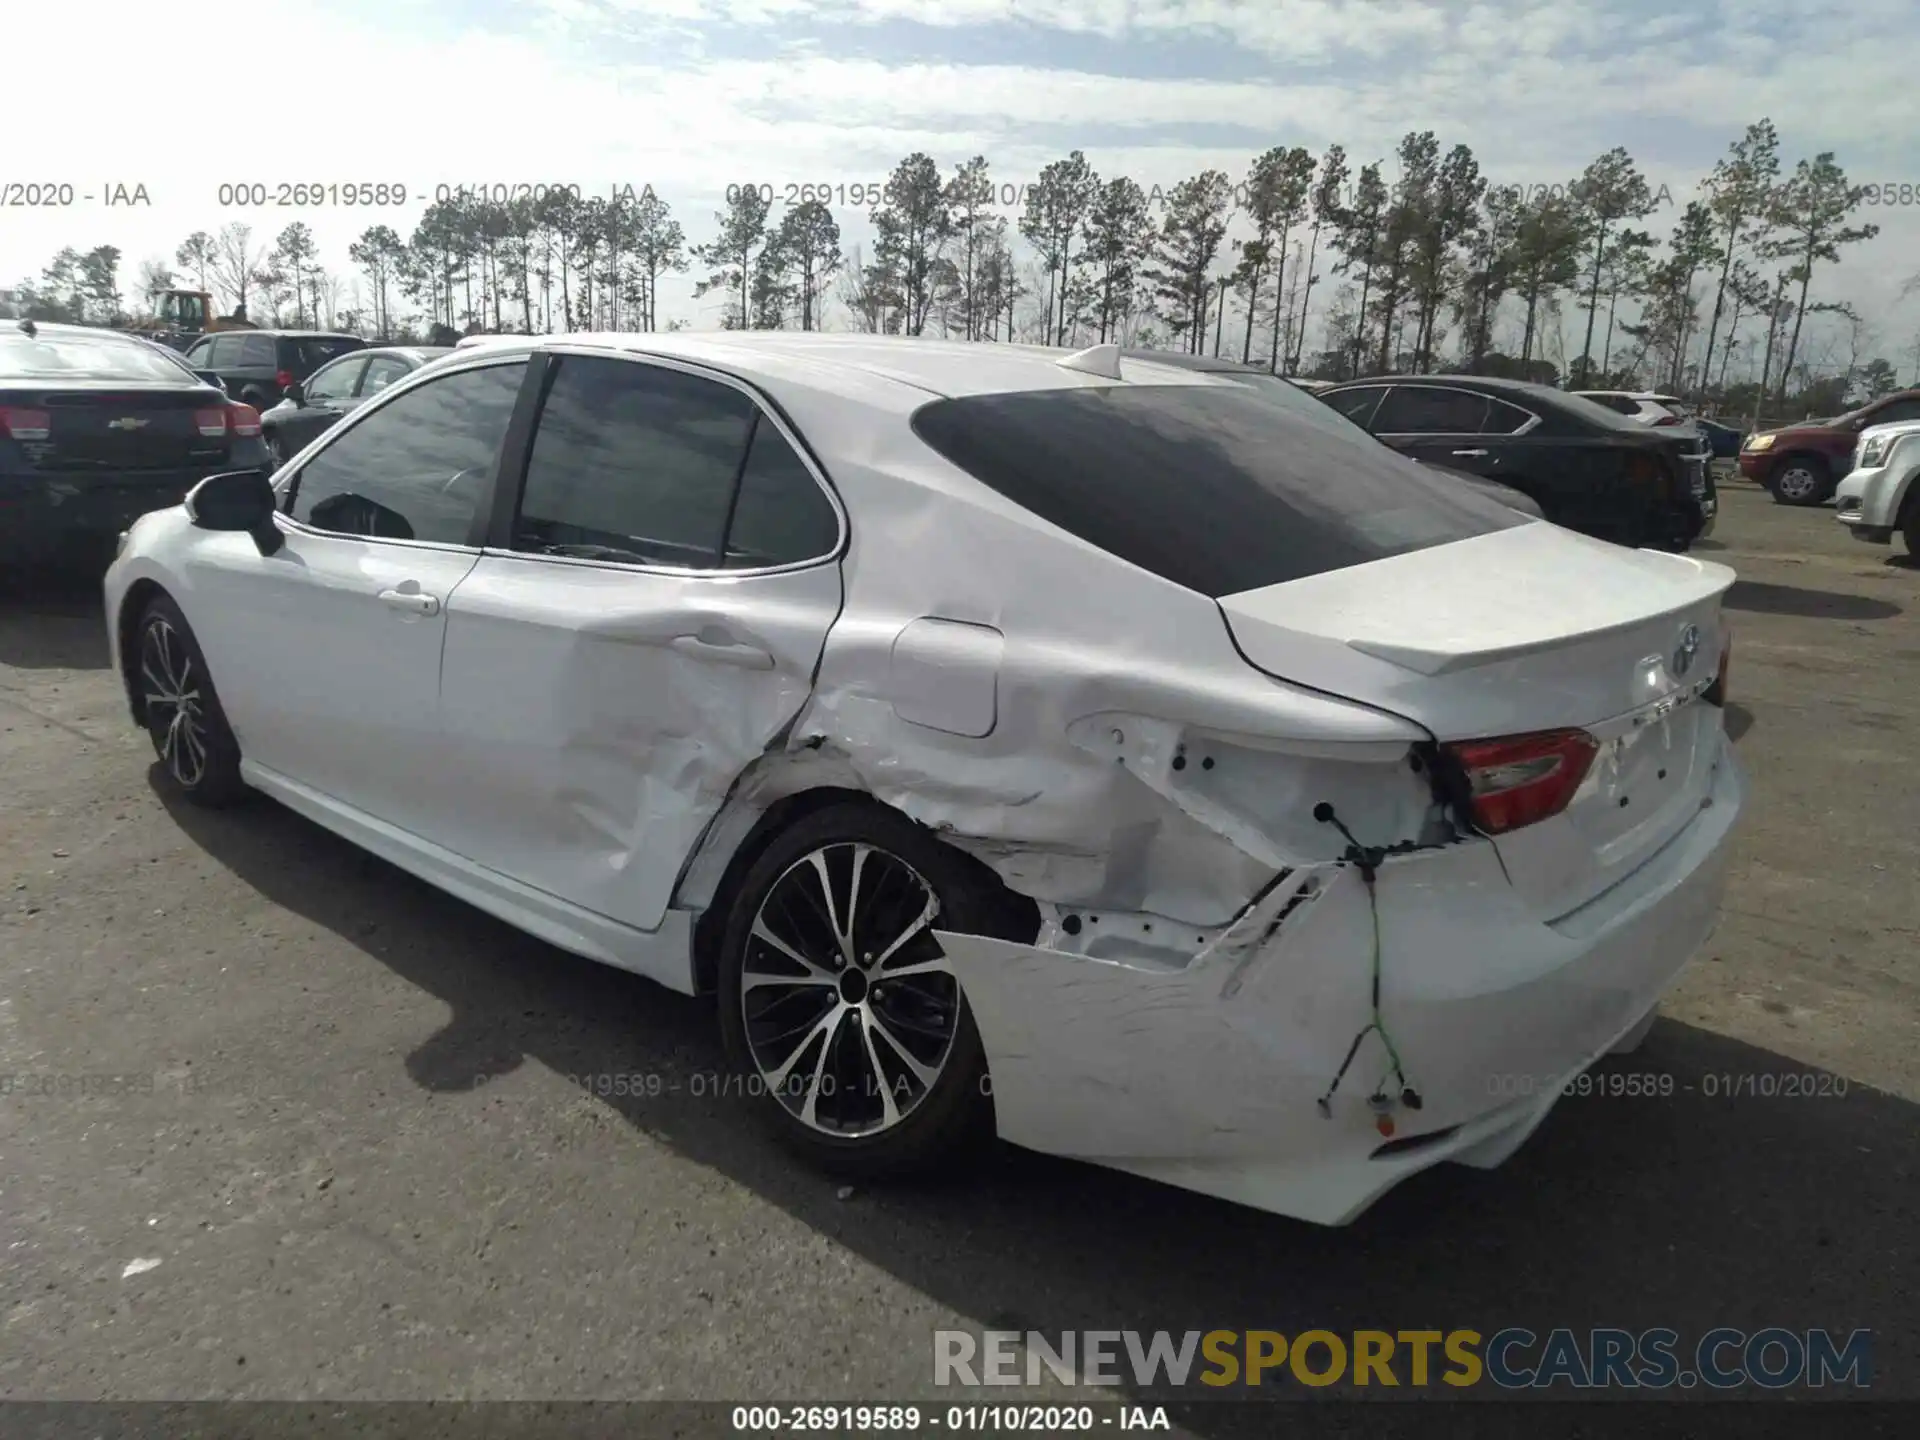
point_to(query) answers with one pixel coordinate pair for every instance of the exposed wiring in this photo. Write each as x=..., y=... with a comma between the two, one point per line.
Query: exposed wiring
x=1367, y=859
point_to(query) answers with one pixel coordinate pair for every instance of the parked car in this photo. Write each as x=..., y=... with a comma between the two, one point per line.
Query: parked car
x=257, y=366
x=1590, y=468
x=1253, y=375
x=335, y=390
x=1010, y=739
x=1647, y=406
x=1724, y=440
x=97, y=428
x=1878, y=495
x=1802, y=464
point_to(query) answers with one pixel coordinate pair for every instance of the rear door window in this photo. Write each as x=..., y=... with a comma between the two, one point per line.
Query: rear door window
x=1505, y=419
x=257, y=352
x=781, y=516
x=382, y=371
x=310, y=353
x=226, y=353
x=1215, y=487
x=634, y=463
x=1357, y=404
x=1430, y=410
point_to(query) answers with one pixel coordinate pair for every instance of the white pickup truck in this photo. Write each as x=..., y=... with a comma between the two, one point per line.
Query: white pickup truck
x=1879, y=495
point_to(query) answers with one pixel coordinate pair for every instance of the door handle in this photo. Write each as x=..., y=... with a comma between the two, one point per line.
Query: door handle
x=1476, y=453
x=414, y=602
x=747, y=657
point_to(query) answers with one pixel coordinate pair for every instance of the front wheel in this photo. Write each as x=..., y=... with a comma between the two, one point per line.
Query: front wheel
x=1801, y=480
x=183, y=714
x=842, y=1015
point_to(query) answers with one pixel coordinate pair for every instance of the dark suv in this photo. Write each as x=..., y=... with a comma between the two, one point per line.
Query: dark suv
x=257, y=366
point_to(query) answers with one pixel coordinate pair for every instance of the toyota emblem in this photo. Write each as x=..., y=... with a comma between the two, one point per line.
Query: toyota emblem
x=1688, y=648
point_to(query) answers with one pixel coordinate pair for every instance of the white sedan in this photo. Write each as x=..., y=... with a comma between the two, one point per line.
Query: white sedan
x=1141, y=764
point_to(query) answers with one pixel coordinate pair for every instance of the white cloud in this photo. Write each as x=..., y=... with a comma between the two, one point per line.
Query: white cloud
x=1536, y=87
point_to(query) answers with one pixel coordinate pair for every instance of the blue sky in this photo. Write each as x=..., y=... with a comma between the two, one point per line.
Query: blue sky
x=690, y=94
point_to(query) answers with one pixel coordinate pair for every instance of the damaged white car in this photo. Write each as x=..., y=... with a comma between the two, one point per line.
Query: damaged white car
x=1143, y=765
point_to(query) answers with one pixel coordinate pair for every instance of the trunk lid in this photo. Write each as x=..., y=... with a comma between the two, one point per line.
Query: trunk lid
x=119, y=430
x=1527, y=629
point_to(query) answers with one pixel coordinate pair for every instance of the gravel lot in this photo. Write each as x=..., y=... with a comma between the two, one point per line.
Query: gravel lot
x=365, y=1172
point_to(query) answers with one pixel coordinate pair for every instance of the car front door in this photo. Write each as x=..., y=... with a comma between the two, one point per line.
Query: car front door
x=644, y=624
x=325, y=398
x=327, y=652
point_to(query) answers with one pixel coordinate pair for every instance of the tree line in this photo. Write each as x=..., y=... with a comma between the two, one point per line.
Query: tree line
x=1417, y=263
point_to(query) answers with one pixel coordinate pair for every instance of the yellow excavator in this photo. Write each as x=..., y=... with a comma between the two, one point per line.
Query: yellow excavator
x=182, y=316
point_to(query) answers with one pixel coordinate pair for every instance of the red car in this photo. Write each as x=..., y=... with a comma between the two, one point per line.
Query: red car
x=1801, y=464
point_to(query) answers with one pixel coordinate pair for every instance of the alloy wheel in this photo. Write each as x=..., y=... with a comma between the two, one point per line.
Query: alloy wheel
x=1797, y=482
x=850, y=1005
x=176, y=712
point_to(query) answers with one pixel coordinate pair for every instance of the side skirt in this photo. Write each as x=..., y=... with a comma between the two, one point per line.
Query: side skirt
x=664, y=955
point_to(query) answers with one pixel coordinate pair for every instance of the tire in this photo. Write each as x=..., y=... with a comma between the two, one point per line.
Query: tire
x=190, y=734
x=1910, y=525
x=255, y=399
x=817, y=1096
x=1801, y=480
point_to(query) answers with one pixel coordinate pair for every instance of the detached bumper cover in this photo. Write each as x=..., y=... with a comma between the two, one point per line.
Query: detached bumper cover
x=1208, y=1077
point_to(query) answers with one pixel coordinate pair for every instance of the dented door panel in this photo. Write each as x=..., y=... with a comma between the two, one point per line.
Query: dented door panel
x=612, y=709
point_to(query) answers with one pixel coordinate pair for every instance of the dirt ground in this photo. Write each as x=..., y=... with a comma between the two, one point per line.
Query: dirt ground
x=350, y=1162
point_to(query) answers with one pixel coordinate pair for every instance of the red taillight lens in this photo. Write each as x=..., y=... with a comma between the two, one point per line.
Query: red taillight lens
x=283, y=378
x=244, y=420
x=211, y=421
x=25, y=424
x=1668, y=420
x=1517, y=780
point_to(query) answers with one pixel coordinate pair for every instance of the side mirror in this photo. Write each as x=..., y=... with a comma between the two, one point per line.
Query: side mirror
x=238, y=500
x=213, y=378
x=297, y=393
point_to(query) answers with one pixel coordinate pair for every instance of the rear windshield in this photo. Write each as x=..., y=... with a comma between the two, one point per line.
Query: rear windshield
x=86, y=357
x=316, y=352
x=1220, y=488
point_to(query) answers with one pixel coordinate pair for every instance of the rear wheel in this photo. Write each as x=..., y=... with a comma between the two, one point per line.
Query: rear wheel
x=840, y=1010
x=1801, y=480
x=1910, y=527
x=183, y=714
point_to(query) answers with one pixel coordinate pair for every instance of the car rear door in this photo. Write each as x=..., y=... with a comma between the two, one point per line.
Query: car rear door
x=1439, y=424
x=643, y=625
x=328, y=650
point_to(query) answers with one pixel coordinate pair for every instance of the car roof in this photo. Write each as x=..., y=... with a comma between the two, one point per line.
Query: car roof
x=295, y=334
x=1486, y=384
x=945, y=369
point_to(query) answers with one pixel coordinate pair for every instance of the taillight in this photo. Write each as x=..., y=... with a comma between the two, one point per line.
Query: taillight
x=1518, y=780
x=25, y=424
x=1668, y=420
x=244, y=420
x=212, y=421
x=283, y=378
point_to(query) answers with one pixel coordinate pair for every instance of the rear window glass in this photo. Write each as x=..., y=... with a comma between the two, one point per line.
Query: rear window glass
x=1220, y=488
x=86, y=357
x=315, y=353
x=1591, y=411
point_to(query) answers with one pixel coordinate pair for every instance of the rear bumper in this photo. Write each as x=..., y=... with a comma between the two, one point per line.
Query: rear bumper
x=1209, y=1077
x=39, y=513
